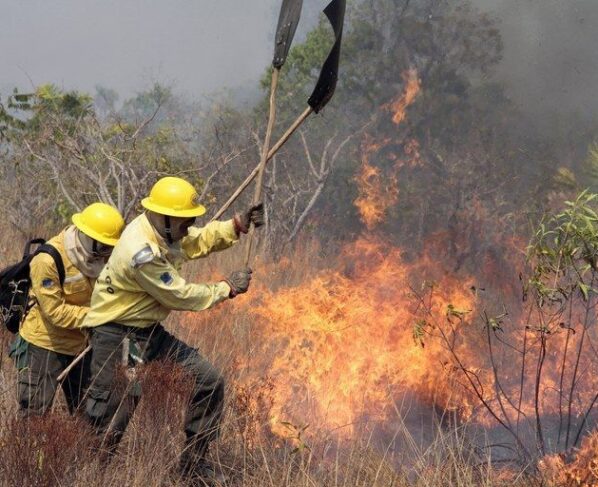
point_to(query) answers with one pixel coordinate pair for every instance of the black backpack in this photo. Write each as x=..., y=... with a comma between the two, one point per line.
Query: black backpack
x=15, y=283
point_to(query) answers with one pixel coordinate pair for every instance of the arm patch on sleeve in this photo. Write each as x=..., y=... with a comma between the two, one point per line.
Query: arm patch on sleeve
x=144, y=256
x=47, y=283
x=166, y=278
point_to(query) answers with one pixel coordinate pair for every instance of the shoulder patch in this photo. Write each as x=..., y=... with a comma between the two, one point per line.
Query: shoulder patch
x=144, y=256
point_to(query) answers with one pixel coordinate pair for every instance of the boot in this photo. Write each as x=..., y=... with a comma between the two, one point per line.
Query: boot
x=201, y=472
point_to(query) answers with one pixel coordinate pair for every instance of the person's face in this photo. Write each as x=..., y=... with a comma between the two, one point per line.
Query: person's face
x=179, y=227
x=95, y=248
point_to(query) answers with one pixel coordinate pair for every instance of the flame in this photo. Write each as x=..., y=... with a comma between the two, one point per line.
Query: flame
x=412, y=88
x=581, y=471
x=379, y=191
x=411, y=150
x=340, y=345
x=346, y=344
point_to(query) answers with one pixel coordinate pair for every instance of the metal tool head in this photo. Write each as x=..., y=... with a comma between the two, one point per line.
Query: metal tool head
x=290, y=12
x=335, y=11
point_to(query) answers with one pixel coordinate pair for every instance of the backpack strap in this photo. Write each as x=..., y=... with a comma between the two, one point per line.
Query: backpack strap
x=35, y=241
x=51, y=250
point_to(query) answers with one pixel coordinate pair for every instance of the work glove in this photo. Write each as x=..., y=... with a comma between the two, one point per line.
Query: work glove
x=255, y=215
x=239, y=282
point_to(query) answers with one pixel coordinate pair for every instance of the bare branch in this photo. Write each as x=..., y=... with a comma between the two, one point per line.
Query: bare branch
x=308, y=153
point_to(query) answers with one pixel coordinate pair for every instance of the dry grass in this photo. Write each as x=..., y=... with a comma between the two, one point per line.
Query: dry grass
x=61, y=450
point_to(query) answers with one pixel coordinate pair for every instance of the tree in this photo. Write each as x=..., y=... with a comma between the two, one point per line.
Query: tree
x=459, y=123
x=59, y=148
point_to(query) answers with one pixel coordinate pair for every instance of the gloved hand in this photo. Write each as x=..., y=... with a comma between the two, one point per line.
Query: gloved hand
x=239, y=282
x=255, y=215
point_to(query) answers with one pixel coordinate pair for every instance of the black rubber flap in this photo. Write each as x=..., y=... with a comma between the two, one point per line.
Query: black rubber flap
x=335, y=11
x=290, y=12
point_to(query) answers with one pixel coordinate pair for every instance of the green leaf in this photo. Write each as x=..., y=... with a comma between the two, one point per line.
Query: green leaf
x=456, y=312
x=419, y=331
x=584, y=290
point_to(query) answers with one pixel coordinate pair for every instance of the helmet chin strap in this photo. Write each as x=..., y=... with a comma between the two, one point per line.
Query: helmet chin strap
x=168, y=229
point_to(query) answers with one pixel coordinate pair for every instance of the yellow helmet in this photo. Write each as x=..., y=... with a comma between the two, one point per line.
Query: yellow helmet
x=101, y=222
x=174, y=197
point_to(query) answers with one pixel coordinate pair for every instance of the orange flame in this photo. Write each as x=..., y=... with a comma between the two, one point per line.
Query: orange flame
x=412, y=89
x=378, y=191
x=581, y=471
x=339, y=345
x=347, y=342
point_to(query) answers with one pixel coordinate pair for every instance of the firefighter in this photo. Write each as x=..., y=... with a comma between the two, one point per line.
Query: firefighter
x=137, y=290
x=51, y=336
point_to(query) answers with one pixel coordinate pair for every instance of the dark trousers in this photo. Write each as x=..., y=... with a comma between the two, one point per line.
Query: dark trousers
x=109, y=406
x=38, y=370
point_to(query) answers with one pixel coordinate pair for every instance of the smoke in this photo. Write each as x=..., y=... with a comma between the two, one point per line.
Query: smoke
x=550, y=63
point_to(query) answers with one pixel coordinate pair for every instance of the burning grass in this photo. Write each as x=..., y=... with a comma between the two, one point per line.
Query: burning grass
x=340, y=373
x=327, y=386
x=60, y=450
x=579, y=471
x=348, y=341
x=352, y=368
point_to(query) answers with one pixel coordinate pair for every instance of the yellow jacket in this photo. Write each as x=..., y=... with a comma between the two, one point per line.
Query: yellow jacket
x=53, y=322
x=141, y=283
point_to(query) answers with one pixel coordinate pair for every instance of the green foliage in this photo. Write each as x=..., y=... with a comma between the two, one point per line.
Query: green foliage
x=30, y=113
x=460, y=121
x=565, y=179
x=585, y=176
x=69, y=157
x=420, y=330
x=105, y=99
x=5, y=121
x=453, y=312
x=495, y=323
x=63, y=210
x=9, y=119
x=50, y=100
x=564, y=251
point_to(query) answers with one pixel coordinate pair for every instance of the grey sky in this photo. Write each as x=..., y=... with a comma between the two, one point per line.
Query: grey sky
x=201, y=46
